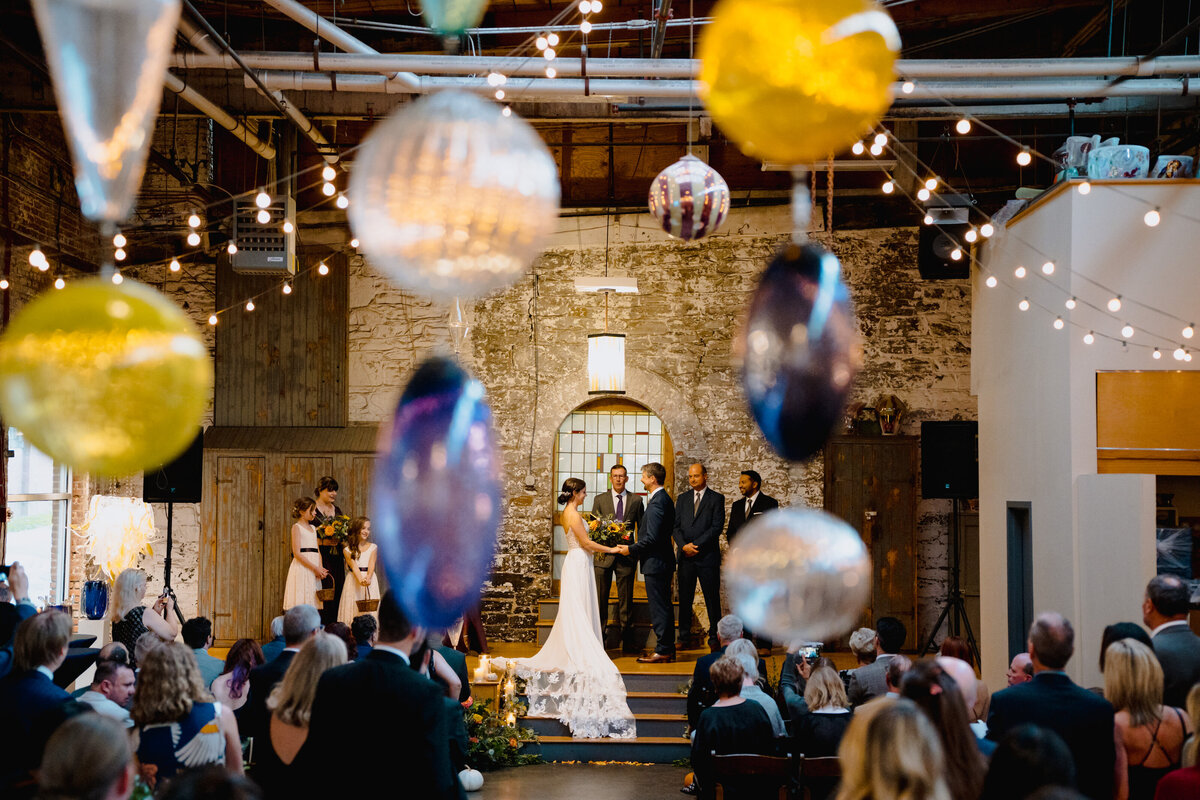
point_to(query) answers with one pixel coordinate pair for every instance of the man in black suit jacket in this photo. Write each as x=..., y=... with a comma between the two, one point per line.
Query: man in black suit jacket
x=751, y=504
x=1165, y=611
x=31, y=702
x=1083, y=719
x=654, y=549
x=408, y=751
x=699, y=517
x=299, y=624
x=630, y=505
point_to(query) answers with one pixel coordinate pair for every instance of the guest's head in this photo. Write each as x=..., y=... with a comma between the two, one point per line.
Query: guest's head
x=890, y=634
x=303, y=509
x=1027, y=758
x=893, y=676
x=277, y=628
x=395, y=628
x=1133, y=681
x=1167, y=600
x=115, y=652
x=114, y=681
x=145, y=643
x=573, y=490
x=1192, y=751
x=957, y=647
x=936, y=693
x=749, y=482
x=746, y=654
x=363, y=629
x=197, y=633
x=327, y=489
x=299, y=623
x=697, y=476
x=1020, y=669
x=42, y=641
x=862, y=644
x=729, y=628
x=653, y=474
x=1051, y=641
x=87, y=758
x=891, y=752
x=292, y=700
x=726, y=675
x=244, y=656
x=211, y=783
x=341, y=631
x=824, y=690
x=168, y=684
x=964, y=676
x=128, y=591
x=1122, y=630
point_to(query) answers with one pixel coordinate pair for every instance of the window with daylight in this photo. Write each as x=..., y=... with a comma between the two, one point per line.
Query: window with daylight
x=39, y=507
x=595, y=437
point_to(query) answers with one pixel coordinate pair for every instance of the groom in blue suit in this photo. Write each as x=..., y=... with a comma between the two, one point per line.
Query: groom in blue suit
x=657, y=554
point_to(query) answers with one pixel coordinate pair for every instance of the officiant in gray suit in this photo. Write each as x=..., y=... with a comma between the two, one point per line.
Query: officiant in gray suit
x=627, y=507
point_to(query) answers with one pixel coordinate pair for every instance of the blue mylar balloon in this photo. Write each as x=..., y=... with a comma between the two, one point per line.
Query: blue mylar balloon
x=436, y=500
x=799, y=349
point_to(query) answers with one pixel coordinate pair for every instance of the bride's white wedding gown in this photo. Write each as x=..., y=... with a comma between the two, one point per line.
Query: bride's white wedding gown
x=571, y=678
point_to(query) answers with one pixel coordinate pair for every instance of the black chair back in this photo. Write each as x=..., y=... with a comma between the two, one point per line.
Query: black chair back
x=752, y=776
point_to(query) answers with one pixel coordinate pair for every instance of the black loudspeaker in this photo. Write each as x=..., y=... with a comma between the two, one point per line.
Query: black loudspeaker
x=934, y=248
x=180, y=481
x=950, y=459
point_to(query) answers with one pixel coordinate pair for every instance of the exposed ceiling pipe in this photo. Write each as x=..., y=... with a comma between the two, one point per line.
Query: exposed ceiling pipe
x=660, y=28
x=336, y=36
x=219, y=116
x=944, y=69
x=200, y=40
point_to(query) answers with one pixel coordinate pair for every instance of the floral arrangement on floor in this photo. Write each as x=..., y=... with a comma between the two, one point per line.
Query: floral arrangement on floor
x=494, y=742
x=607, y=530
x=335, y=528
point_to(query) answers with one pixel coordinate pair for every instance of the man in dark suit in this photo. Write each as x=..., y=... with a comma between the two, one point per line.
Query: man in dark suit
x=701, y=694
x=273, y=648
x=1083, y=719
x=457, y=662
x=752, y=503
x=654, y=549
x=869, y=680
x=626, y=507
x=31, y=701
x=364, y=629
x=299, y=624
x=410, y=752
x=699, y=517
x=1165, y=611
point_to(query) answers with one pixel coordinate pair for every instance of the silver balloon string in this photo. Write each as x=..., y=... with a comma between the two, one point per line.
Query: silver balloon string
x=801, y=205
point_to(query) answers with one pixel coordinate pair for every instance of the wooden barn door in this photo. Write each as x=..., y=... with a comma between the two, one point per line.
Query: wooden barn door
x=238, y=588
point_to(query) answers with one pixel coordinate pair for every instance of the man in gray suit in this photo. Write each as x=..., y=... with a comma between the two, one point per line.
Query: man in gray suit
x=870, y=680
x=627, y=507
x=1165, y=611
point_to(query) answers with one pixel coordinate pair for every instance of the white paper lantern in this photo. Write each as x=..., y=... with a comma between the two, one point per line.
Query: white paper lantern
x=449, y=197
x=689, y=199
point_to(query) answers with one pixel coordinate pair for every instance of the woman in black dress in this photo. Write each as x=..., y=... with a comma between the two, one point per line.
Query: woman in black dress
x=129, y=617
x=331, y=555
x=730, y=725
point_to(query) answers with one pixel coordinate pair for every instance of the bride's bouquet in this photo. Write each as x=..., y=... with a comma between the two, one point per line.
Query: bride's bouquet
x=607, y=530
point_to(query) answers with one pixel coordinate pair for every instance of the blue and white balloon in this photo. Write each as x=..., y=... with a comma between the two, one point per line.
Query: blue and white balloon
x=800, y=350
x=436, y=498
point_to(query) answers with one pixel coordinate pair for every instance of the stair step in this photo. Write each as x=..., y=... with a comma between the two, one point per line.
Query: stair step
x=657, y=702
x=648, y=725
x=646, y=749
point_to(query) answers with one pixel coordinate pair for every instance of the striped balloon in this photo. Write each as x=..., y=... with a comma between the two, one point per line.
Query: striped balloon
x=689, y=199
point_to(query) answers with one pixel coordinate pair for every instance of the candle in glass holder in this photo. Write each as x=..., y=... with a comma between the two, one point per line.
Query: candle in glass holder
x=511, y=719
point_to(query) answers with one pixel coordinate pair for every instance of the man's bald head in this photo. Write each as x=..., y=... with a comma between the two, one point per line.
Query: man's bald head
x=964, y=676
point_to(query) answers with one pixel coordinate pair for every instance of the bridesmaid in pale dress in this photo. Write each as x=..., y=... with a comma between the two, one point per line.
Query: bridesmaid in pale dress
x=361, y=581
x=305, y=573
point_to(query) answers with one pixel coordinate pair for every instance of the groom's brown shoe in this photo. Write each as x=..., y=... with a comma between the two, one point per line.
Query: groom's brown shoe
x=656, y=658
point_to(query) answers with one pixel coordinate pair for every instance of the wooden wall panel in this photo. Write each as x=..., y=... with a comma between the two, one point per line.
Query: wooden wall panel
x=1146, y=422
x=283, y=364
x=238, y=585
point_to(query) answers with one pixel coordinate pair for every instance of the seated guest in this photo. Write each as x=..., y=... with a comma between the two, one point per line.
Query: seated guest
x=30, y=700
x=273, y=648
x=129, y=617
x=957, y=647
x=868, y=682
x=1020, y=670
x=87, y=757
x=862, y=644
x=936, y=693
x=730, y=725
x=1151, y=734
x=179, y=726
x=818, y=730
x=231, y=688
x=15, y=608
x=746, y=654
x=891, y=752
x=964, y=675
x=290, y=706
x=363, y=629
x=197, y=634
x=700, y=693
x=212, y=783
x=146, y=642
x=111, y=691
x=429, y=662
x=458, y=663
x=341, y=631
x=1184, y=783
x=1025, y=760
x=299, y=623
x=894, y=676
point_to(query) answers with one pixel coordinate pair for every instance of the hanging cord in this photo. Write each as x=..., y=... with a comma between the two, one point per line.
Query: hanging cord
x=828, y=201
x=691, y=57
x=534, y=338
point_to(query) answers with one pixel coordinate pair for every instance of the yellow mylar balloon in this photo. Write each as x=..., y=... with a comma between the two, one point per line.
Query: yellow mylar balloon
x=107, y=379
x=795, y=80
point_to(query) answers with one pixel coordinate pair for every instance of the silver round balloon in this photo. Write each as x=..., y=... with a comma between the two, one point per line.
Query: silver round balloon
x=798, y=574
x=450, y=197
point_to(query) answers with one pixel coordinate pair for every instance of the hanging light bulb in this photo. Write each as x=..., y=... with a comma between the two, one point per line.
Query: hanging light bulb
x=119, y=240
x=971, y=235
x=1115, y=304
x=175, y=266
x=37, y=258
x=881, y=139
x=354, y=243
x=287, y=288
x=193, y=221
x=328, y=173
x=552, y=38
x=1024, y=304
x=1019, y=272
x=1070, y=304
x=1179, y=353
x=119, y=255
x=1152, y=218
x=1187, y=356
x=59, y=283
x=858, y=148
x=1089, y=337
x=193, y=239
x=322, y=269
x=1085, y=188
x=1058, y=323
x=551, y=72
x=876, y=150
x=1048, y=268
x=596, y=6
x=907, y=87
x=931, y=184
x=288, y=227
x=888, y=187
x=231, y=248
x=541, y=43
x=264, y=216
x=585, y=27
x=499, y=94
x=328, y=189
x=986, y=230
x=263, y=200
x=212, y=319
x=928, y=219
x=249, y=305
x=343, y=201
x=548, y=54
x=1189, y=331
x=3, y=284
x=118, y=278
x=585, y=7
x=991, y=281
x=1156, y=355
x=495, y=79
x=1024, y=158
x=963, y=126
x=1127, y=331
x=506, y=111
x=922, y=194
x=956, y=254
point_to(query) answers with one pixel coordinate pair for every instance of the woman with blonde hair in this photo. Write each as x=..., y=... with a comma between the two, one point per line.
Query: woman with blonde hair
x=179, y=725
x=290, y=705
x=891, y=752
x=820, y=731
x=87, y=757
x=128, y=615
x=1150, y=733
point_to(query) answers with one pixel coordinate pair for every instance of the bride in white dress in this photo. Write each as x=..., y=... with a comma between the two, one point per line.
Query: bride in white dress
x=571, y=678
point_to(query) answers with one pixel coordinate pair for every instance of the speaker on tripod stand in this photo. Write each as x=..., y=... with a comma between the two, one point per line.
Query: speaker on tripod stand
x=950, y=470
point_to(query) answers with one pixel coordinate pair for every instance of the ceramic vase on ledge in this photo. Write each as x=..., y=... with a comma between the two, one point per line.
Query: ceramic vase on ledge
x=95, y=598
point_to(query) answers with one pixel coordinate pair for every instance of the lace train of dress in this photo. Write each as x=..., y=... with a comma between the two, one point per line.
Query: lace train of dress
x=571, y=678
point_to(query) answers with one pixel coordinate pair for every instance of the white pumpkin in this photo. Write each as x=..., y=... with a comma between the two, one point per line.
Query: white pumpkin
x=471, y=780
